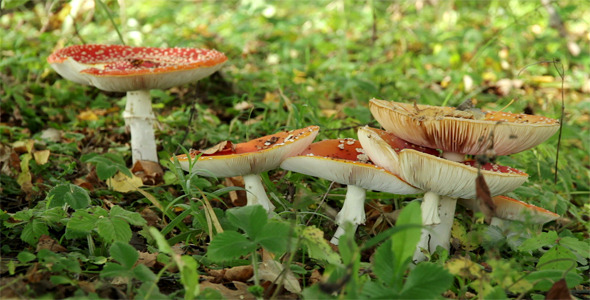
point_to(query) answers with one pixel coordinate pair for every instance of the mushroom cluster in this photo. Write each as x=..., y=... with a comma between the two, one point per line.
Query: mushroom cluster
x=450, y=175
x=423, y=149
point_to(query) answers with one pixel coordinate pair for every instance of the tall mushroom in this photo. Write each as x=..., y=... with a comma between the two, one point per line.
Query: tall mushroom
x=438, y=177
x=135, y=70
x=344, y=161
x=249, y=159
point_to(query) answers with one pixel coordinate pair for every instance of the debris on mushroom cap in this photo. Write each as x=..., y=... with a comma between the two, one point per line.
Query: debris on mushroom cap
x=125, y=68
x=451, y=130
x=256, y=156
x=494, y=167
x=344, y=161
x=454, y=179
x=515, y=210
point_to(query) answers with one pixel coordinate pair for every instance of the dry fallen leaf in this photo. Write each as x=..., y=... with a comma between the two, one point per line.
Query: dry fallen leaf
x=47, y=242
x=124, y=184
x=148, y=259
x=483, y=196
x=87, y=115
x=225, y=147
x=271, y=269
x=151, y=173
x=41, y=156
x=559, y=290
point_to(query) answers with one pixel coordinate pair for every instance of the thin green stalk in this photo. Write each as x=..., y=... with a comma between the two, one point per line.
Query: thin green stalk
x=106, y=9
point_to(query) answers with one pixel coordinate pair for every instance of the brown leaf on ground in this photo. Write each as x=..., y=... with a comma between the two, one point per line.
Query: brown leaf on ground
x=151, y=217
x=239, y=273
x=241, y=291
x=47, y=242
x=151, y=173
x=559, y=290
x=148, y=259
x=315, y=277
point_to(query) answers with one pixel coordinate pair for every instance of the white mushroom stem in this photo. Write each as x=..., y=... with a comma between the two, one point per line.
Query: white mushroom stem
x=353, y=211
x=255, y=193
x=437, y=234
x=430, y=209
x=139, y=117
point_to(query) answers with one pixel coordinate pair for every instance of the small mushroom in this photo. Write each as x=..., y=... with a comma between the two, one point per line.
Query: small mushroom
x=509, y=209
x=344, y=161
x=135, y=70
x=249, y=159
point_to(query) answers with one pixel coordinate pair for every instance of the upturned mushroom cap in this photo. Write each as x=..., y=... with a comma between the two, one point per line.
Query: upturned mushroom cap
x=515, y=210
x=455, y=179
x=253, y=157
x=383, y=147
x=344, y=161
x=121, y=68
x=458, y=131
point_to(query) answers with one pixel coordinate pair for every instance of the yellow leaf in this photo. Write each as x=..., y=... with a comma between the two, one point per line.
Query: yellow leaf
x=23, y=146
x=87, y=115
x=24, y=178
x=299, y=76
x=464, y=267
x=124, y=184
x=41, y=157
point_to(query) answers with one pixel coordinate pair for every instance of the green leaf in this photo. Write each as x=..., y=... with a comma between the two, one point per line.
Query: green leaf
x=189, y=277
x=80, y=224
x=54, y=215
x=25, y=256
x=229, y=245
x=113, y=229
x=59, y=279
x=544, y=279
x=107, y=165
x=73, y=195
x=580, y=247
x=131, y=217
x=404, y=242
x=274, y=237
x=163, y=245
x=33, y=231
x=114, y=270
x=538, y=241
x=383, y=265
x=125, y=254
x=250, y=218
x=317, y=247
x=557, y=258
x=426, y=281
x=143, y=273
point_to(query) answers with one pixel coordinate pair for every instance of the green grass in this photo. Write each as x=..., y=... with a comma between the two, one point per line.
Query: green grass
x=296, y=64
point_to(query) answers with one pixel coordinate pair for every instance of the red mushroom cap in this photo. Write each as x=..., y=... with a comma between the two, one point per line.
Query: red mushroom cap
x=253, y=157
x=125, y=68
x=344, y=161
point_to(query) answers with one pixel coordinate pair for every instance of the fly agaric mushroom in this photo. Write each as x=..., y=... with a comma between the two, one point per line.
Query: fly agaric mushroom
x=509, y=209
x=135, y=70
x=458, y=132
x=344, y=161
x=437, y=176
x=249, y=159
